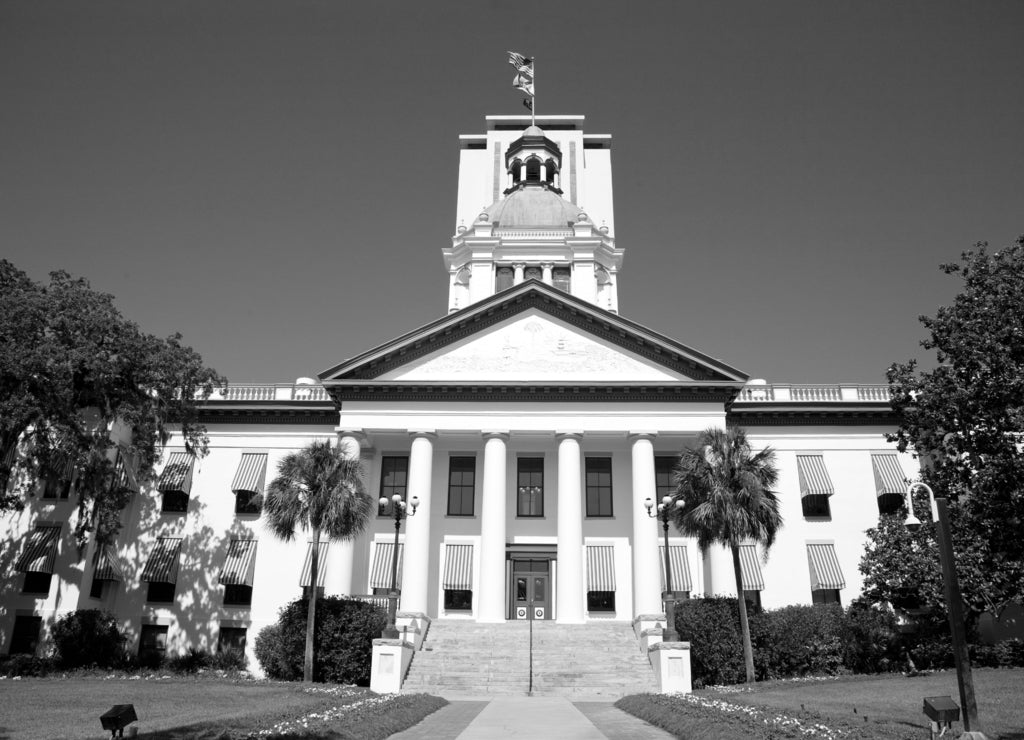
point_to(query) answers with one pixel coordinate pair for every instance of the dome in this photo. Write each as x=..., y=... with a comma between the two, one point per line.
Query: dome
x=533, y=131
x=533, y=206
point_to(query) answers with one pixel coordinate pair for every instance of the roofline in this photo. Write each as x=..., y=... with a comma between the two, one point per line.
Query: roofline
x=488, y=304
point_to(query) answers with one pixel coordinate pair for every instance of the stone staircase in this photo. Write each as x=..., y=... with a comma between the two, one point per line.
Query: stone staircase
x=599, y=659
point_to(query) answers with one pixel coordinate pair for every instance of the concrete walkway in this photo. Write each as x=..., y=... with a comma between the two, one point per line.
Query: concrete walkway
x=531, y=717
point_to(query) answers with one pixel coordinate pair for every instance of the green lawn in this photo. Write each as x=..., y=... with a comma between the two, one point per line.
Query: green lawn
x=183, y=708
x=886, y=707
x=897, y=699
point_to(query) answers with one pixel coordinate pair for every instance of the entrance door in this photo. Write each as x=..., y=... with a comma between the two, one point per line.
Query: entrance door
x=531, y=589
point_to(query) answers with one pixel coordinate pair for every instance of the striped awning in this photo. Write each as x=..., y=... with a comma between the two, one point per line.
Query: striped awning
x=40, y=550
x=121, y=480
x=251, y=473
x=240, y=564
x=108, y=565
x=11, y=455
x=162, y=566
x=380, y=573
x=750, y=569
x=814, y=480
x=321, y=565
x=680, y=565
x=600, y=568
x=177, y=475
x=889, y=476
x=458, y=567
x=825, y=570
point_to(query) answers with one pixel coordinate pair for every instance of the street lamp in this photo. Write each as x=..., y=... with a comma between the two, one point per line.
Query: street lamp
x=954, y=602
x=664, y=514
x=399, y=512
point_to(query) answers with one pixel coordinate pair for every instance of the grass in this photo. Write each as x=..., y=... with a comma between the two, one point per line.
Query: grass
x=178, y=708
x=886, y=707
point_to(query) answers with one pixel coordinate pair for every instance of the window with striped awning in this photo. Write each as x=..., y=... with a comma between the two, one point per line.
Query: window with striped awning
x=162, y=566
x=321, y=565
x=825, y=571
x=251, y=473
x=240, y=564
x=814, y=480
x=57, y=483
x=108, y=565
x=177, y=474
x=680, y=564
x=40, y=550
x=458, y=567
x=122, y=480
x=11, y=455
x=750, y=569
x=380, y=572
x=890, y=481
x=600, y=568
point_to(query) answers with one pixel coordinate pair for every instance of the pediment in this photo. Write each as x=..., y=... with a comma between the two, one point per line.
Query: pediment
x=532, y=333
x=533, y=346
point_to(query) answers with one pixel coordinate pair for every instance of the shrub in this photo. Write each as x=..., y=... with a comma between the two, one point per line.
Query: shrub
x=25, y=665
x=874, y=645
x=190, y=662
x=1003, y=654
x=88, y=637
x=712, y=627
x=229, y=660
x=343, y=641
x=805, y=640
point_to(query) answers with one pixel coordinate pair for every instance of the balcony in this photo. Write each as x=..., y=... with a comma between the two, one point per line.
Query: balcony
x=271, y=392
x=788, y=393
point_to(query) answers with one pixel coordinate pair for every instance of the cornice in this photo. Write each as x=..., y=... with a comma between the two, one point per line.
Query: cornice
x=847, y=415
x=504, y=392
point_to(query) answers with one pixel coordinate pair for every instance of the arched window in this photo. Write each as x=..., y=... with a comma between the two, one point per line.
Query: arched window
x=533, y=170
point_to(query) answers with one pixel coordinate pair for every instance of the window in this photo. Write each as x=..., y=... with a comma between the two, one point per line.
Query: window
x=600, y=601
x=231, y=638
x=599, y=486
x=560, y=278
x=394, y=478
x=816, y=506
x=826, y=596
x=55, y=487
x=753, y=598
x=530, y=487
x=153, y=640
x=456, y=599
x=174, y=502
x=237, y=595
x=663, y=468
x=160, y=593
x=319, y=592
x=37, y=583
x=248, y=502
x=25, y=636
x=504, y=278
x=532, y=272
x=461, y=482
x=96, y=589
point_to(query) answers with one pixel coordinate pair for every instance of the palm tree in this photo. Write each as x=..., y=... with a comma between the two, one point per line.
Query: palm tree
x=319, y=489
x=727, y=490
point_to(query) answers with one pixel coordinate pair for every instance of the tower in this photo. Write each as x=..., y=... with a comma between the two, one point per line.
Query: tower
x=550, y=216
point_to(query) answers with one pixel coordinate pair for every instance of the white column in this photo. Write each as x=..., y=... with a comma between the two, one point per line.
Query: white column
x=546, y=272
x=646, y=566
x=349, y=441
x=570, y=596
x=416, y=557
x=543, y=173
x=492, y=529
x=517, y=276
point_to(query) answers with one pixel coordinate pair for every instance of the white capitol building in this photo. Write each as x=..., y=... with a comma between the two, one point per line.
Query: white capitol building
x=531, y=421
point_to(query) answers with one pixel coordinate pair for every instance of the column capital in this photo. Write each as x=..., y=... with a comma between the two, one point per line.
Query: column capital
x=637, y=436
x=519, y=265
x=547, y=265
x=426, y=433
x=561, y=434
x=503, y=435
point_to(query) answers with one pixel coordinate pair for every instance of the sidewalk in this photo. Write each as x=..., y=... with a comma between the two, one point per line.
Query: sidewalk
x=531, y=717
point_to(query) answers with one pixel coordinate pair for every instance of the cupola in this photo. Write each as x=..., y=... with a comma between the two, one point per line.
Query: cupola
x=533, y=160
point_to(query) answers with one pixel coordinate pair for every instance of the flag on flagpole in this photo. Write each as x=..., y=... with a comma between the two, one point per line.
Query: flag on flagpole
x=521, y=63
x=528, y=103
x=524, y=83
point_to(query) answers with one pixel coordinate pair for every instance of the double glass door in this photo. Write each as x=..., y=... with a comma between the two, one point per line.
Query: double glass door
x=531, y=589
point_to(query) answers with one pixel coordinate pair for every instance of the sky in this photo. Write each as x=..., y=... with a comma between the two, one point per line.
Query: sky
x=276, y=180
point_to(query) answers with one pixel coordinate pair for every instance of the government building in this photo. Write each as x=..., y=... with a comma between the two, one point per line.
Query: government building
x=531, y=421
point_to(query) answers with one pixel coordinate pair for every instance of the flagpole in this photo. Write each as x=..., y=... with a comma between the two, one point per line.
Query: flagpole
x=533, y=108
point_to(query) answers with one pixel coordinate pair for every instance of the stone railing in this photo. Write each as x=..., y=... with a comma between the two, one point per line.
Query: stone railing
x=271, y=392
x=843, y=393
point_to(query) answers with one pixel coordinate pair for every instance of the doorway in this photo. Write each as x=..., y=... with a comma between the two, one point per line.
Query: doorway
x=531, y=589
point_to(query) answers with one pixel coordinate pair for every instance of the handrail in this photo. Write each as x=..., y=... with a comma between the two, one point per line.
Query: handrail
x=529, y=691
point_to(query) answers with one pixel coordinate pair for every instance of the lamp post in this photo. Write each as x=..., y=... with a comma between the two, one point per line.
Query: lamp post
x=954, y=602
x=664, y=513
x=399, y=511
